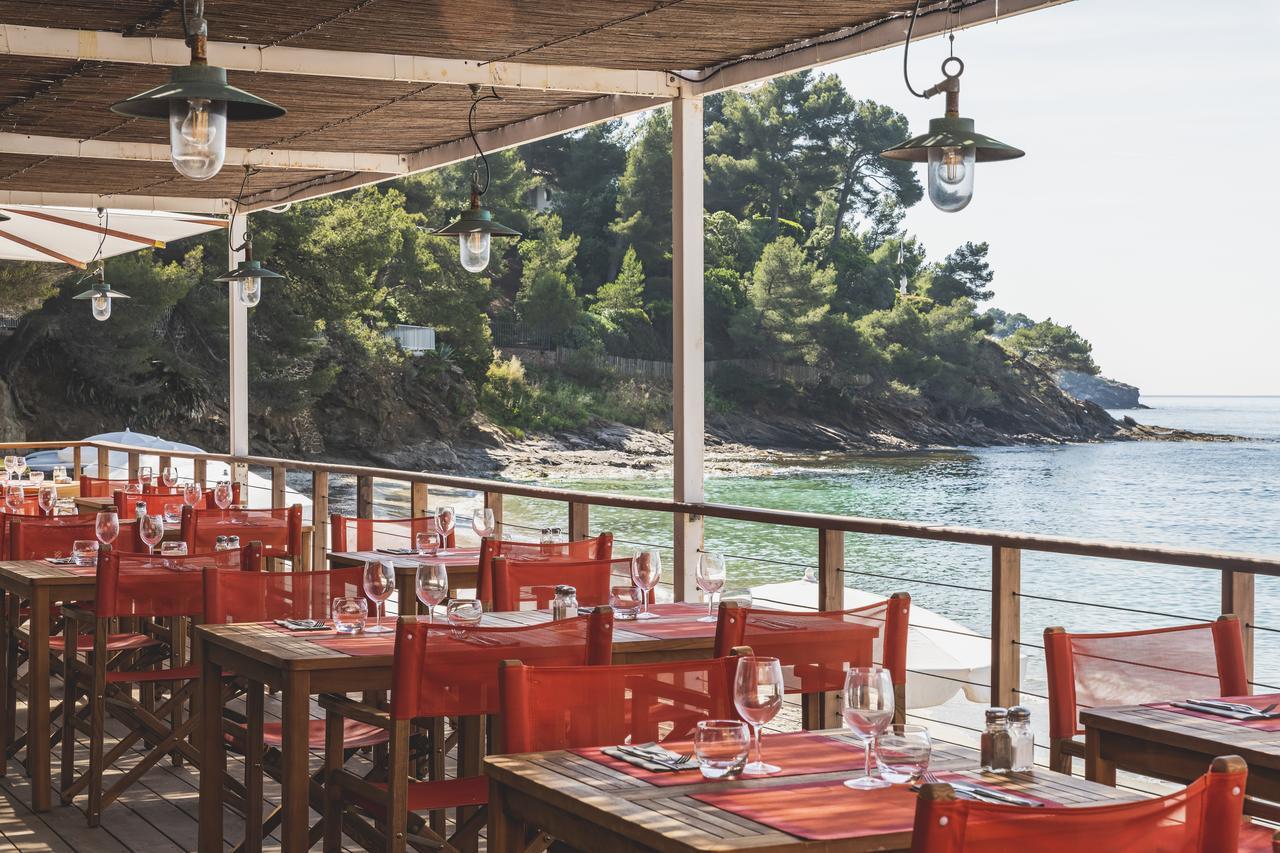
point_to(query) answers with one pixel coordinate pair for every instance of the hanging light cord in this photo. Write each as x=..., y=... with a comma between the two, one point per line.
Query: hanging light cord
x=235, y=207
x=104, y=215
x=476, y=98
x=953, y=13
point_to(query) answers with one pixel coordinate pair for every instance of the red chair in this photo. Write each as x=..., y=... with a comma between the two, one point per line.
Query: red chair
x=126, y=503
x=815, y=648
x=51, y=536
x=279, y=530
x=532, y=583
x=599, y=548
x=1134, y=668
x=95, y=487
x=1204, y=817
x=352, y=533
x=30, y=507
x=437, y=674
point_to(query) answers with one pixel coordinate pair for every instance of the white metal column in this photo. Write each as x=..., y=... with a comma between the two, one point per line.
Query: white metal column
x=238, y=349
x=687, y=332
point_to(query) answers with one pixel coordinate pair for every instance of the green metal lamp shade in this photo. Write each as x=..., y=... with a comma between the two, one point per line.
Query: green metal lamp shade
x=249, y=269
x=101, y=289
x=476, y=220
x=206, y=82
x=951, y=133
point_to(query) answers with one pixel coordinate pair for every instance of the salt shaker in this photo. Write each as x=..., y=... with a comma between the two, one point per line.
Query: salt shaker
x=233, y=543
x=997, y=744
x=1023, y=739
x=140, y=508
x=565, y=604
x=220, y=543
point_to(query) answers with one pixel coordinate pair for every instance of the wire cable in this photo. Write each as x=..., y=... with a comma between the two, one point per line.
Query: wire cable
x=476, y=99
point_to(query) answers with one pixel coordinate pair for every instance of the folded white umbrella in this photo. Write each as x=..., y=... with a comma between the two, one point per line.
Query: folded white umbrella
x=71, y=235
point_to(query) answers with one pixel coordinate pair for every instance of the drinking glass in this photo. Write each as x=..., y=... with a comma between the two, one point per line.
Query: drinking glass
x=169, y=476
x=710, y=579
x=14, y=497
x=173, y=549
x=107, y=526
x=48, y=497
x=427, y=544
x=349, y=614
x=191, y=493
x=151, y=530
x=482, y=522
x=222, y=494
x=464, y=613
x=721, y=747
x=625, y=601
x=868, y=711
x=10, y=463
x=445, y=519
x=36, y=477
x=902, y=753
x=20, y=465
x=646, y=571
x=432, y=586
x=133, y=487
x=379, y=583
x=173, y=513
x=146, y=475
x=84, y=552
x=757, y=694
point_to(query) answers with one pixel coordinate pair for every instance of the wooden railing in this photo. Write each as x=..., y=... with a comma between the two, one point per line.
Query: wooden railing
x=1238, y=570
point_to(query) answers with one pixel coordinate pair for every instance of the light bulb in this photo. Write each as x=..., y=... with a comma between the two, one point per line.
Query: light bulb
x=197, y=136
x=101, y=306
x=250, y=291
x=473, y=250
x=951, y=176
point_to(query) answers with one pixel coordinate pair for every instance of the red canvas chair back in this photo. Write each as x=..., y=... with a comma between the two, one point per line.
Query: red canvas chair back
x=240, y=596
x=438, y=673
x=567, y=707
x=599, y=548
x=351, y=533
x=30, y=507
x=126, y=503
x=1204, y=817
x=279, y=530
x=817, y=647
x=531, y=584
x=38, y=537
x=150, y=586
x=160, y=489
x=1136, y=667
x=96, y=487
x=210, y=503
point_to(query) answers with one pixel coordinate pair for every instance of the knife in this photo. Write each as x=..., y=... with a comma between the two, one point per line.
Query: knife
x=1218, y=710
x=994, y=795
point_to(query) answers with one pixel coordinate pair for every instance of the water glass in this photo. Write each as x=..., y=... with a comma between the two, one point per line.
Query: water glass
x=151, y=530
x=173, y=513
x=757, y=694
x=902, y=753
x=710, y=579
x=464, y=613
x=431, y=585
x=379, y=584
x=173, y=549
x=84, y=552
x=107, y=526
x=47, y=497
x=222, y=494
x=482, y=522
x=625, y=601
x=427, y=544
x=349, y=614
x=65, y=506
x=721, y=747
x=36, y=477
x=133, y=487
x=646, y=571
x=868, y=711
x=169, y=476
x=191, y=493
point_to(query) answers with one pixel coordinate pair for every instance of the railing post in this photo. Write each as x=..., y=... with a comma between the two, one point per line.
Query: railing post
x=164, y=462
x=277, y=486
x=319, y=519
x=687, y=542
x=493, y=500
x=104, y=463
x=418, y=499
x=822, y=710
x=200, y=471
x=364, y=497
x=1237, y=598
x=1006, y=624
x=75, y=462
x=133, y=464
x=579, y=521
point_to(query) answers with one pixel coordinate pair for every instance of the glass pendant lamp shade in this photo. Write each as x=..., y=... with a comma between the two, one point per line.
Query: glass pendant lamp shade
x=475, y=231
x=951, y=148
x=197, y=136
x=100, y=297
x=473, y=250
x=248, y=278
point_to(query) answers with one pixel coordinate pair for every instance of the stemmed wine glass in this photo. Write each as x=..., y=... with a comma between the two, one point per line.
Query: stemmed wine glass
x=20, y=464
x=14, y=497
x=379, y=583
x=107, y=526
x=191, y=493
x=146, y=476
x=169, y=476
x=222, y=494
x=646, y=571
x=48, y=497
x=710, y=579
x=757, y=694
x=432, y=586
x=445, y=518
x=10, y=463
x=151, y=530
x=868, y=711
x=482, y=522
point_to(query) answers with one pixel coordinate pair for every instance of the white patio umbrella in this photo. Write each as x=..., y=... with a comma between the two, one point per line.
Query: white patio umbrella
x=71, y=235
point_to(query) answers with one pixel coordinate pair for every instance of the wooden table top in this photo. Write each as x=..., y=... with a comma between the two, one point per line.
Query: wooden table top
x=669, y=818
x=28, y=573
x=455, y=558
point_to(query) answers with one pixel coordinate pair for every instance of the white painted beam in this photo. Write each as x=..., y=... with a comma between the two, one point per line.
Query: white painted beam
x=237, y=348
x=55, y=43
x=266, y=158
x=172, y=204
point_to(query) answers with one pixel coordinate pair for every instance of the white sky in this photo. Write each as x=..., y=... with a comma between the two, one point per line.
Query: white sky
x=1143, y=214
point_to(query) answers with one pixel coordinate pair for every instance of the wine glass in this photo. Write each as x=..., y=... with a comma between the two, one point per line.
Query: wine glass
x=710, y=579
x=868, y=711
x=222, y=494
x=20, y=465
x=646, y=571
x=151, y=530
x=379, y=583
x=107, y=526
x=48, y=497
x=432, y=586
x=191, y=493
x=146, y=476
x=482, y=522
x=757, y=694
x=169, y=476
x=10, y=463
x=445, y=518
x=14, y=497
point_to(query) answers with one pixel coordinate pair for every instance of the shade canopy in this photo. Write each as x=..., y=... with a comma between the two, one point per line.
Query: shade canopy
x=71, y=235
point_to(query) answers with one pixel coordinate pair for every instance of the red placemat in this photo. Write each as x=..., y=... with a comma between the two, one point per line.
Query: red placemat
x=797, y=753
x=1262, y=701
x=677, y=621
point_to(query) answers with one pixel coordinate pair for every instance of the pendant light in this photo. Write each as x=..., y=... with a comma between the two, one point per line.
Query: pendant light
x=952, y=146
x=101, y=294
x=249, y=274
x=476, y=227
x=198, y=104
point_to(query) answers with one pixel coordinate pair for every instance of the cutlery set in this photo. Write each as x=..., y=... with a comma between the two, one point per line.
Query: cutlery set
x=1232, y=710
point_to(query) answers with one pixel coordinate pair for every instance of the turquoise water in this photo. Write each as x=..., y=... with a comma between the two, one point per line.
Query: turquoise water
x=1223, y=496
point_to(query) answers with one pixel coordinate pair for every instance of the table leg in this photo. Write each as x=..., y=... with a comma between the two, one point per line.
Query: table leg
x=295, y=801
x=253, y=769
x=1097, y=768
x=505, y=835
x=213, y=755
x=8, y=677
x=38, y=702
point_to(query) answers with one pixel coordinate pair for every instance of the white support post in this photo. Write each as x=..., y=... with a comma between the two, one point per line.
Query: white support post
x=238, y=348
x=687, y=333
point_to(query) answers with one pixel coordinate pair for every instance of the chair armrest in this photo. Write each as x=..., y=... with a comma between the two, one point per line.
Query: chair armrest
x=79, y=614
x=344, y=707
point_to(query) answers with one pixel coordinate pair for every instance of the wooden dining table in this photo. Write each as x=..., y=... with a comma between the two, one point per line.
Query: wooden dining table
x=592, y=803
x=463, y=565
